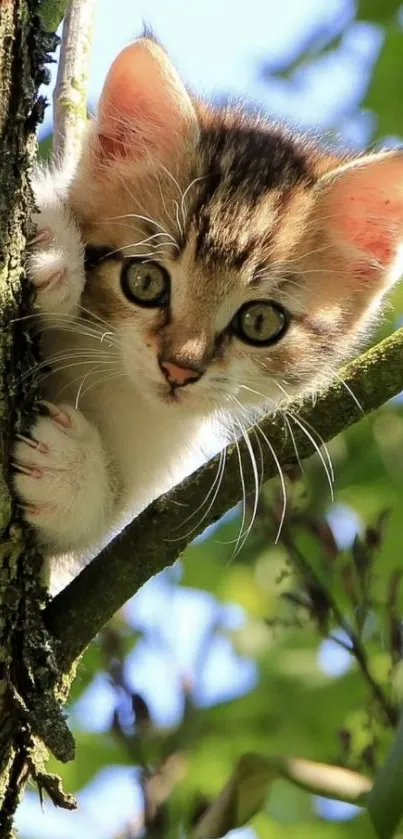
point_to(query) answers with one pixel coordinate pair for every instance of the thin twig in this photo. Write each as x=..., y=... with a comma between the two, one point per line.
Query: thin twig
x=71, y=91
x=357, y=650
x=250, y=785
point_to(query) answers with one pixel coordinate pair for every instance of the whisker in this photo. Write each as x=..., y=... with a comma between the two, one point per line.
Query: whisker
x=69, y=366
x=248, y=444
x=168, y=215
x=322, y=443
x=258, y=393
x=159, y=246
x=289, y=427
x=73, y=323
x=217, y=481
x=50, y=362
x=351, y=392
x=79, y=378
x=242, y=478
x=108, y=378
x=98, y=336
x=147, y=219
x=187, y=190
x=176, y=205
x=282, y=481
x=171, y=241
x=173, y=179
x=317, y=449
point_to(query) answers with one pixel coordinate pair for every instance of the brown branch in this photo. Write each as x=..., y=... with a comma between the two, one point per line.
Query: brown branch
x=156, y=538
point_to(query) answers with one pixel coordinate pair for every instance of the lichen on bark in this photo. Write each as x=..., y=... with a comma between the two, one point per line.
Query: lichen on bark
x=29, y=714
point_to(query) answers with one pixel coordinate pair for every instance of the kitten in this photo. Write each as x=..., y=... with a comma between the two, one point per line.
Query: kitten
x=227, y=263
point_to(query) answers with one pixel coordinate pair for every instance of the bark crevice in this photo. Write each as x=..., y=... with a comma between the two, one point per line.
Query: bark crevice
x=30, y=713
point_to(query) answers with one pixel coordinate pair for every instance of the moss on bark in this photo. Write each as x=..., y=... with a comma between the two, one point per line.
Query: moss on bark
x=28, y=709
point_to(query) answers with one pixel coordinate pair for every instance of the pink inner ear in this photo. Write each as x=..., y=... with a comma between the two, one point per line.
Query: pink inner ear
x=145, y=110
x=365, y=205
x=374, y=234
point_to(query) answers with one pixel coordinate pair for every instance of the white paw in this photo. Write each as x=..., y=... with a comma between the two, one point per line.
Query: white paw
x=56, y=254
x=61, y=478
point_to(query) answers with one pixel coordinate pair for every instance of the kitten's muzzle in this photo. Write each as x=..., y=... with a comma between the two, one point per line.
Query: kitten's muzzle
x=178, y=375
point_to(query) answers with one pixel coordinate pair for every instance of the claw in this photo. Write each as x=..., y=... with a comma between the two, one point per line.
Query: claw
x=42, y=237
x=32, y=471
x=34, y=444
x=57, y=415
x=30, y=509
x=53, y=280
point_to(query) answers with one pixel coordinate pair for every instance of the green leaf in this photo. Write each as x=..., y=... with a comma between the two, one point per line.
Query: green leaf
x=385, y=801
x=356, y=828
x=385, y=93
x=378, y=11
x=247, y=789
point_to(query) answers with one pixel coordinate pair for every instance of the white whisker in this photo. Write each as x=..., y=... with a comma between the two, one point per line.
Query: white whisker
x=70, y=366
x=187, y=190
x=176, y=205
x=248, y=444
x=111, y=376
x=322, y=443
x=351, y=392
x=287, y=421
x=317, y=449
x=282, y=480
x=65, y=356
x=215, y=486
x=71, y=382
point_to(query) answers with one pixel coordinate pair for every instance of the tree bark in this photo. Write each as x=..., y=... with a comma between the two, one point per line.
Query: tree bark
x=27, y=664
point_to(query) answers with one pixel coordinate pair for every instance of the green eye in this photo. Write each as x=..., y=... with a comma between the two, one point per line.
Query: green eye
x=145, y=283
x=261, y=322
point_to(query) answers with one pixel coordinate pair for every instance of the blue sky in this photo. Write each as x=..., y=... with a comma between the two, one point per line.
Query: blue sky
x=218, y=46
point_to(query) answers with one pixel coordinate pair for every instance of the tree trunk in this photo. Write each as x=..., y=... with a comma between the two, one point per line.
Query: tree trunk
x=27, y=667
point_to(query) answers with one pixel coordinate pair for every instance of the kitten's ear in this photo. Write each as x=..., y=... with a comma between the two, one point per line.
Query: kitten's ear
x=361, y=204
x=145, y=111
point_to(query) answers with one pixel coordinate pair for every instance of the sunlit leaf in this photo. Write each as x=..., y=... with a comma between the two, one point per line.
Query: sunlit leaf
x=379, y=11
x=247, y=790
x=388, y=76
x=385, y=801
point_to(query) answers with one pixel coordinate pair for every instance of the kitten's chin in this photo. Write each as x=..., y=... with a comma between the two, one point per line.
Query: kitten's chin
x=184, y=401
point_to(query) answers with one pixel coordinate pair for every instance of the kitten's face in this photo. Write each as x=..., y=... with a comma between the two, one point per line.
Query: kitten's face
x=239, y=270
x=234, y=310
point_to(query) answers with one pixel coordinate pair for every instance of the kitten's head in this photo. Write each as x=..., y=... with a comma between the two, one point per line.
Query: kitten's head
x=235, y=261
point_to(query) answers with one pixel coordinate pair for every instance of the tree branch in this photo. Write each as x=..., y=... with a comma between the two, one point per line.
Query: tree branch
x=71, y=91
x=156, y=538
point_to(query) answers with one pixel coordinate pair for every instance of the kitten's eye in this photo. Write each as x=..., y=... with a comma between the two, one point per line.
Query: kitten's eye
x=145, y=283
x=260, y=322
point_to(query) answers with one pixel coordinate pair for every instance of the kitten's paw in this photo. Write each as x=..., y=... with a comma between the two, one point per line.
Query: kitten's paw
x=61, y=478
x=56, y=253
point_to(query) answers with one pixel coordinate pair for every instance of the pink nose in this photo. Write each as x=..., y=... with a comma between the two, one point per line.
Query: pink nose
x=178, y=375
